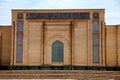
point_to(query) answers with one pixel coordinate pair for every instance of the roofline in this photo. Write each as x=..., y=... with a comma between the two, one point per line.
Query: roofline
x=113, y=25
x=54, y=9
x=5, y=25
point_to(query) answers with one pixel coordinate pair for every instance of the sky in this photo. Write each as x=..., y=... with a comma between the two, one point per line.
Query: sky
x=112, y=7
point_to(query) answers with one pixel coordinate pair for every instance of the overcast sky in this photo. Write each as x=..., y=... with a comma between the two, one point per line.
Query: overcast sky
x=112, y=7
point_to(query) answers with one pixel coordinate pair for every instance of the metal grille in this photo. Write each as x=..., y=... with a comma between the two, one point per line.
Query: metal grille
x=95, y=41
x=57, y=51
x=20, y=40
x=20, y=26
x=95, y=26
x=19, y=46
x=19, y=53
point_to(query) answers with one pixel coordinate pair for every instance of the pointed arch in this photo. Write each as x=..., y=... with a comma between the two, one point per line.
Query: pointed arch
x=57, y=51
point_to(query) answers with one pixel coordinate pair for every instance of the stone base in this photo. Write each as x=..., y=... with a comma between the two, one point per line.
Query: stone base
x=102, y=68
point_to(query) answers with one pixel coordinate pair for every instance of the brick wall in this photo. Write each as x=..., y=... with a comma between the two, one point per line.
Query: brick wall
x=5, y=45
x=112, y=45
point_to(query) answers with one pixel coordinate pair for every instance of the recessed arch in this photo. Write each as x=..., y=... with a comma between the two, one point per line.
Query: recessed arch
x=57, y=51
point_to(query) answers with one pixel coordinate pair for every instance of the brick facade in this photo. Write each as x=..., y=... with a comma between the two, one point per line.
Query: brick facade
x=77, y=35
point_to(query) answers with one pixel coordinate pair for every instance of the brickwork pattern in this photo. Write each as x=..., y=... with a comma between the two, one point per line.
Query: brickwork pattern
x=57, y=74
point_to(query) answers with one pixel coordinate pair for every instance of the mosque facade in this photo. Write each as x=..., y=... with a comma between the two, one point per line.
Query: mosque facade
x=68, y=37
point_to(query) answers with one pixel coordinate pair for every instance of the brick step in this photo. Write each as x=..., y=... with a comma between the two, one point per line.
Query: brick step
x=57, y=74
x=55, y=71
